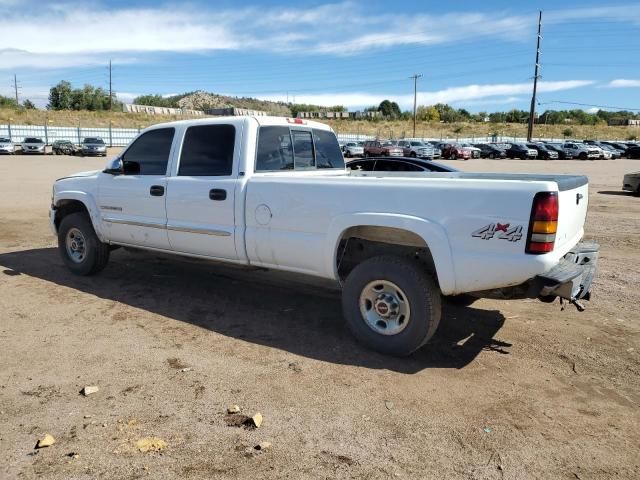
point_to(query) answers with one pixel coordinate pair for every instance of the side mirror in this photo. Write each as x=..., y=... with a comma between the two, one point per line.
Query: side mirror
x=114, y=167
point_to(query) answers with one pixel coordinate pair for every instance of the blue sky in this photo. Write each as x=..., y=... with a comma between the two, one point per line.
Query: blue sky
x=475, y=55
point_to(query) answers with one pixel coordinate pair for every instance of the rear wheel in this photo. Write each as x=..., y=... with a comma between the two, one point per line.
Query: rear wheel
x=492, y=156
x=391, y=304
x=582, y=156
x=81, y=249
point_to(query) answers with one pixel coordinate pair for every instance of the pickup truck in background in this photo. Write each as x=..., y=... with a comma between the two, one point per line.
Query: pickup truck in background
x=582, y=151
x=375, y=148
x=274, y=193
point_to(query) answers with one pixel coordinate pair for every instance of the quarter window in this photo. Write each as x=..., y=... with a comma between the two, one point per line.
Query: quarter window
x=149, y=154
x=207, y=151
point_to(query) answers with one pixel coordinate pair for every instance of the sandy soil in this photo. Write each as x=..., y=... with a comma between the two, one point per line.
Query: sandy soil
x=512, y=389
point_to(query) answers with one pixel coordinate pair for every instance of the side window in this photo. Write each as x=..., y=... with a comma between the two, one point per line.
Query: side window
x=391, y=166
x=207, y=151
x=303, y=148
x=328, y=154
x=149, y=154
x=362, y=165
x=275, y=151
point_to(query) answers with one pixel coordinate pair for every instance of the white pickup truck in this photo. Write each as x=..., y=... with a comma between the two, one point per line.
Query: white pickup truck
x=274, y=193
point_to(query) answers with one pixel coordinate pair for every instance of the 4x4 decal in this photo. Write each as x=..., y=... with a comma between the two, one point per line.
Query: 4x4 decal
x=503, y=231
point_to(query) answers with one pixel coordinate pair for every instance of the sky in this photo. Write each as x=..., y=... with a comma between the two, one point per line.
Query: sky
x=474, y=55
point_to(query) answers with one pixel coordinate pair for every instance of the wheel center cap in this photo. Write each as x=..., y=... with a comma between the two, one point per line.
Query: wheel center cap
x=382, y=308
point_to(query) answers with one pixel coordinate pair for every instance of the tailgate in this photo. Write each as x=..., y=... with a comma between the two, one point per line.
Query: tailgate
x=572, y=214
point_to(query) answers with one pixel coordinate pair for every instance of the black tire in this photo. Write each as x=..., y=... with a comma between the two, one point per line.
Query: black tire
x=492, y=156
x=462, y=300
x=348, y=154
x=582, y=156
x=413, y=155
x=96, y=253
x=419, y=289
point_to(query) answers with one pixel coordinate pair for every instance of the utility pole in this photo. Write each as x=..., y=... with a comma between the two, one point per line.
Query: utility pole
x=110, y=88
x=415, y=77
x=532, y=110
x=15, y=86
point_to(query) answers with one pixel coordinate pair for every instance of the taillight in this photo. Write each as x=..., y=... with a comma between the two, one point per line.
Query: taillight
x=544, y=223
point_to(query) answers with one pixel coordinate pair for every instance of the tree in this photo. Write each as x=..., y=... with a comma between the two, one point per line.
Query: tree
x=7, y=102
x=427, y=114
x=156, y=100
x=28, y=104
x=567, y=132
x=60, y=96
x=385, y=108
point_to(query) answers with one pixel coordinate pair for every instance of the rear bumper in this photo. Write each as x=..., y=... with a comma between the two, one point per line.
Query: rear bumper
x=571, y=278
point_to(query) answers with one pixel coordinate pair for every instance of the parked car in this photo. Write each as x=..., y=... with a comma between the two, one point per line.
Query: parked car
x=32, y=145
x=375, y=148
x=93, y=146
x=7, y=146
x=619, y=147
x=454, y=151
x=475, y=151
x=615, y=153
x=393, y=164
x=633, y=152
x=582, y=151
x=563, y=154
x=353, y=149
x=64, y=147
x=418, y=149
x=394, y=244
x=631, y=183
x=544, y=153
x=521, y=151
x=489, y=150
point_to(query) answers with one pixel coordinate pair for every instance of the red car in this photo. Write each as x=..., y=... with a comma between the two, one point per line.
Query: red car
x=454, y=151
x=374, y=148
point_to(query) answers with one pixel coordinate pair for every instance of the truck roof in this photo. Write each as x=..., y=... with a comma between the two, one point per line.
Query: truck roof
x=261, y=120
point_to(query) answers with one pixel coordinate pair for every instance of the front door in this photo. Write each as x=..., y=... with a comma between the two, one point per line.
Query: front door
x=201, y=196
x=132, y=205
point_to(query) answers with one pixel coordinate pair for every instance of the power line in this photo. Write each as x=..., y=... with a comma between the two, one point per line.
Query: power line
x=591, y=105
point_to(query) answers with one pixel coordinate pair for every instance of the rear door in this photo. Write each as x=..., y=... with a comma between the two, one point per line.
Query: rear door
x=201, y=195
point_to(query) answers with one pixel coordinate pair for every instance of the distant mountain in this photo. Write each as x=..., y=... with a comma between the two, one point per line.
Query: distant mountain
x=200, y=100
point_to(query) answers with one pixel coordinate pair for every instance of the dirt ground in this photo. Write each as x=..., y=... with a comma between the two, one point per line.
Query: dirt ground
x=511, y=389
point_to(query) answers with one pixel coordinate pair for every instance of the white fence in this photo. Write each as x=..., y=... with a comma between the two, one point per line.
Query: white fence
x=113, y=137
x=119, y=137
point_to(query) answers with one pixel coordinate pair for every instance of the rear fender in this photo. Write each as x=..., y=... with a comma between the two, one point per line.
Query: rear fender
x=432, y=233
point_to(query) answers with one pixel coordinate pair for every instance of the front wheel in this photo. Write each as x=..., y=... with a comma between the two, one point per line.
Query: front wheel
x=348, y=154
x=81, y=249
x=391, y=304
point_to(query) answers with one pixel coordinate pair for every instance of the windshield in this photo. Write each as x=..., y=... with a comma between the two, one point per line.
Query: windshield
x=33, y=140
x=4, y=140
x=93, y=140
x=418, y=144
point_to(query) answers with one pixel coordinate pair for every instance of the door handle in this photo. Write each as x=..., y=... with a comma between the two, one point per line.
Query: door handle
x=156, y=190
x=217, y=194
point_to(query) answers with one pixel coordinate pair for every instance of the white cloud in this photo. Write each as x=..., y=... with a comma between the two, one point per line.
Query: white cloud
x=623, y=83
x=72, y=32
x=491, y=93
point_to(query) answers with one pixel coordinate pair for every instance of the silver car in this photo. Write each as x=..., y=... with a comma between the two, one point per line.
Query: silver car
x=93, y=146
x=33, y=145
x=419, y=149
x=7, y=146
x=353, y=149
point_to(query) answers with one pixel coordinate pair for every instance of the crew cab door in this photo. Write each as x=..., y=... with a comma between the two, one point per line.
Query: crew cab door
x=201, y=194
x=132, y=205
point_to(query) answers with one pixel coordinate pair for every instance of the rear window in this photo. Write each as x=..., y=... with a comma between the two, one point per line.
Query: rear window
x=282, y=148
